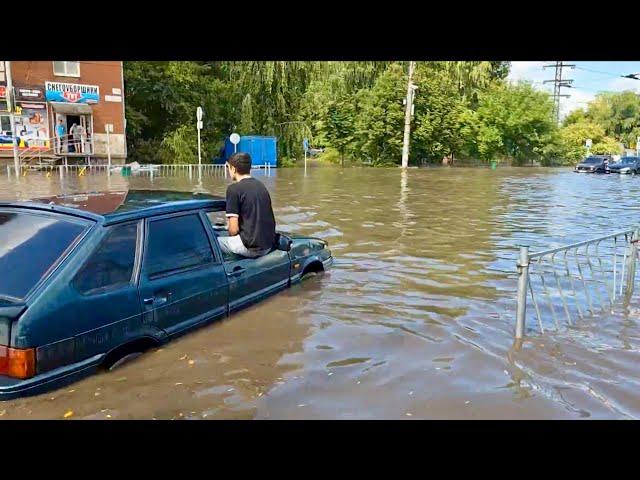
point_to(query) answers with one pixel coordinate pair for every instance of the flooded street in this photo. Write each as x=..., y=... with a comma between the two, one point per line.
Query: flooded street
x=414, y=321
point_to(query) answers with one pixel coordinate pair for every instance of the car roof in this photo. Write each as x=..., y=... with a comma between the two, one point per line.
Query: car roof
x=118, y=206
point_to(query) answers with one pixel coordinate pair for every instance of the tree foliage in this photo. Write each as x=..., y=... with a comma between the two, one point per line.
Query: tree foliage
x=356, y=110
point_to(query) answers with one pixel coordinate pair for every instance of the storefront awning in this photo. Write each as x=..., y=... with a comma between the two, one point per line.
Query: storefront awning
x=73, y=108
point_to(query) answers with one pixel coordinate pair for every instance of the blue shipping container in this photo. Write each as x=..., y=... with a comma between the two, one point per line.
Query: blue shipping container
x=263, y=150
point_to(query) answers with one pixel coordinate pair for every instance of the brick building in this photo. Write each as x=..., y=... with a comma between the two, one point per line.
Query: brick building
x=78, y=99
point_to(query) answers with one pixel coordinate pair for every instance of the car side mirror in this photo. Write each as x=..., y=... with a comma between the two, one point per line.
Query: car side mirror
x=283, y=242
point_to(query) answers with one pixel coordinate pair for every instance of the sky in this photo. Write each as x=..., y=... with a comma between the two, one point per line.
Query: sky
x=589, y=78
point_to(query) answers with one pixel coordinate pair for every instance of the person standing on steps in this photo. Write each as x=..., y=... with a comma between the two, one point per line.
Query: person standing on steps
x=61, y=131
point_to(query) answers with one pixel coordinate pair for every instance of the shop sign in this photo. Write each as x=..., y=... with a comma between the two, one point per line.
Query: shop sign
x=71, y=92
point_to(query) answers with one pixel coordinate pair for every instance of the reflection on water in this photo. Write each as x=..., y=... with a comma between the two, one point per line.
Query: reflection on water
x=415, y=320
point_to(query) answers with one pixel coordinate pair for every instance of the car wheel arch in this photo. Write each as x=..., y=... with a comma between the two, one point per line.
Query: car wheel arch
x=314, y=266
x=137, y=345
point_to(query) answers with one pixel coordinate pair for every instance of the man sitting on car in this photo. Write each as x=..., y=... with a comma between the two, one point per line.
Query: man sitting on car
x=252, y=225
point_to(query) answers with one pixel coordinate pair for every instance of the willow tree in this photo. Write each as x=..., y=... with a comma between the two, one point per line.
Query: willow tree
x=473, y=77
x=272, y=93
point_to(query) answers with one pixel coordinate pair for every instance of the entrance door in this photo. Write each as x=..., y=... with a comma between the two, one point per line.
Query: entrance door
x=86, y=124
x=71, y=121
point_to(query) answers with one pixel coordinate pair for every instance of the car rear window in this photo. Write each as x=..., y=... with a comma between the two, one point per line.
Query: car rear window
x=30, y=244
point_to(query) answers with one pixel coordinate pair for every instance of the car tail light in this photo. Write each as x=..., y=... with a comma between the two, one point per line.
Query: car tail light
x=17, y=362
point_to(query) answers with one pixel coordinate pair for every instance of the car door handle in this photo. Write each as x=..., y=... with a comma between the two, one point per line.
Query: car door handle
x=157, y=300
x=236, y=271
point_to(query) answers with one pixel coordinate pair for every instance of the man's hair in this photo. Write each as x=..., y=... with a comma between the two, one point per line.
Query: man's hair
x=241, y=162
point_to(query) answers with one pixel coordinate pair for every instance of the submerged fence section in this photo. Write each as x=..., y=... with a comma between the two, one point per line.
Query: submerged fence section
x=559, y=286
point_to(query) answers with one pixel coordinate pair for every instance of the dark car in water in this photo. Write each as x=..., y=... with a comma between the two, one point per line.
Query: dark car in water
x=594, y=164
x=89, y=281
x=626, y=165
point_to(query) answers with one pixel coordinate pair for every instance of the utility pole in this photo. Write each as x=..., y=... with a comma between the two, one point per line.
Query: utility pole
x=10, y=107
x=558, y=83
x=407, y=116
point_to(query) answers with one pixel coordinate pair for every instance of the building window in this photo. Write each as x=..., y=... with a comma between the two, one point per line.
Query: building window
x=66, y=69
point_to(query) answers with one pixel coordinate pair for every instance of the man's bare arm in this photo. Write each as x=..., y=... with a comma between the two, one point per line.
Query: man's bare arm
x=234, y=226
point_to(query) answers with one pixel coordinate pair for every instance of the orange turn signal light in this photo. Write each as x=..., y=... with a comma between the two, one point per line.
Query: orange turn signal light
x=17, y=362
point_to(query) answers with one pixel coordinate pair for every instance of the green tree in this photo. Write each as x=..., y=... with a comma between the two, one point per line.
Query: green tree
x=338, y=128
x=513, y=121
x=571, y=148
x=438, y=109
x=618, y=114
x=380, y=118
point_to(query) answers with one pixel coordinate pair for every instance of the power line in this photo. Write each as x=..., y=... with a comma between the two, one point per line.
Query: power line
x=632, y=76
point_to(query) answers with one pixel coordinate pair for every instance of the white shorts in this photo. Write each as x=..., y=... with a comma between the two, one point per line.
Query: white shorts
x=234, y=245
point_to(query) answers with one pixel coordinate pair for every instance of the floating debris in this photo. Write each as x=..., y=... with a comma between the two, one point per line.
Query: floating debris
x=68, y=414
x=184, y=357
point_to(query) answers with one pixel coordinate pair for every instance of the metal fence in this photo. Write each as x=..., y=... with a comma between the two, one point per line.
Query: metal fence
x=558, y=286
x=178, y=170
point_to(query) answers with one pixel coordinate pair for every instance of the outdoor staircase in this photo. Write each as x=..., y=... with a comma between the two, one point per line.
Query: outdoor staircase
x=42, y=158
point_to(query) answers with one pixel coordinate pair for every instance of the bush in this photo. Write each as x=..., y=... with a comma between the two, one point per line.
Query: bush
x=180, y=146
x=330, y=155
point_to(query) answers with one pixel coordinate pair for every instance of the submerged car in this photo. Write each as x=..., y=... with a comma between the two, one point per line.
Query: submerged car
x=628, y=165
x=89, y=281
x=594, y=164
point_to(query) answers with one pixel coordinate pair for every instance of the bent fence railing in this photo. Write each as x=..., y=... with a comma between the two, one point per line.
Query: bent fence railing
x=562, y=285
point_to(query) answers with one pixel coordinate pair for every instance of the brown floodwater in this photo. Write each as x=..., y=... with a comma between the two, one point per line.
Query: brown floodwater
x=414, y=321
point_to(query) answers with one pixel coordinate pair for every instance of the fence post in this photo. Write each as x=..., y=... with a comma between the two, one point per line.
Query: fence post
x=631, y=264
x=523, y=283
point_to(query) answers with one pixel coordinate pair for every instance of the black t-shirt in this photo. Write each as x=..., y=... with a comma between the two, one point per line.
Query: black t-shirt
x=250, y=200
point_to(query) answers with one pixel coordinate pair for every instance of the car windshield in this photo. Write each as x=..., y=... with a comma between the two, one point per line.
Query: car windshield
x=592, y=160
x=30, y=244
x=627, y=161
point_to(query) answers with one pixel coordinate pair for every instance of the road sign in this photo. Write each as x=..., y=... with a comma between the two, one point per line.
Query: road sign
x=588, y=143
x=199, y=124
x=305, y=144
x=199, y=113
x=235, y=138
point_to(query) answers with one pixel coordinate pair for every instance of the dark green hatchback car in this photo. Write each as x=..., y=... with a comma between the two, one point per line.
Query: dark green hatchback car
x=89, y=280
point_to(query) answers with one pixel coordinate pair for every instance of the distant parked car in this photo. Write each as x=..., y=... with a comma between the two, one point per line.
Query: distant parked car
x=626, y=165
x=594, y=164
